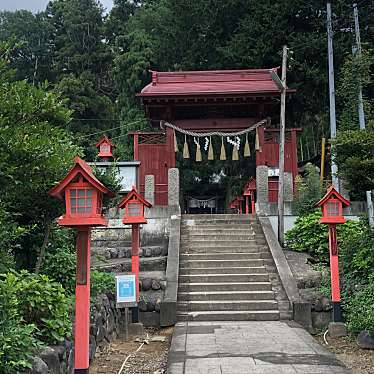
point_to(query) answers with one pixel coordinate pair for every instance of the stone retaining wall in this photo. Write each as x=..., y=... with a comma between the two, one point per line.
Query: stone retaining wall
x=106, y=321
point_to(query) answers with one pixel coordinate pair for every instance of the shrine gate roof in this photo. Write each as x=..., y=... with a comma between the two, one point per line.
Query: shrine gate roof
x=218, y=82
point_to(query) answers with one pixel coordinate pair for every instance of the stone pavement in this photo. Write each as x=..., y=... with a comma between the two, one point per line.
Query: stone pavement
x=248, y=348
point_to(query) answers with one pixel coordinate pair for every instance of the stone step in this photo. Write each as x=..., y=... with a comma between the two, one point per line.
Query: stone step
x=222, y=270
x=219, y=236
x=225, y=256
x=220, y=226
x=225, y=278
x=222, y=286
x=225, y=295
x=224, y=305
x=230, y=315
x=220, y=263
x=225, y=242
x=222, y=249
x=250, y=217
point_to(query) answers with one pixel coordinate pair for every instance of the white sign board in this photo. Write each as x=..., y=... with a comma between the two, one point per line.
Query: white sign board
x=273, y=172
x=126, y=290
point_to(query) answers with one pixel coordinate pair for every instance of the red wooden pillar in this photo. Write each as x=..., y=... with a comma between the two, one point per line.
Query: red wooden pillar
x=246, y=205
x=136, y=148
x=334, y=270
x=135, y=247
x=253, y=203
x=82, y=302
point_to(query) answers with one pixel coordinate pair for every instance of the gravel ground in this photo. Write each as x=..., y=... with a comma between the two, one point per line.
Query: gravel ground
x=361, y=361
x=150, y=359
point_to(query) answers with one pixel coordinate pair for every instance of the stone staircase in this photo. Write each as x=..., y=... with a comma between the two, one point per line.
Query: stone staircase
x=226, y=271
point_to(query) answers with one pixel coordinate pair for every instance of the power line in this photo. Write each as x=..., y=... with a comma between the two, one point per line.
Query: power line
x=107, y=130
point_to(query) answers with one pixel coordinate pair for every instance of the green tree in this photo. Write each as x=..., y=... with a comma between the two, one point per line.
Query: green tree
x=82, y=64
x=32, y=35
x=35, y=152
x=354, y=147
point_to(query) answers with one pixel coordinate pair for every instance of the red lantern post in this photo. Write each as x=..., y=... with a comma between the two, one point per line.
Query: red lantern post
x=134, y=205
x=82, y=193
x=332, y=214
x=249, y=192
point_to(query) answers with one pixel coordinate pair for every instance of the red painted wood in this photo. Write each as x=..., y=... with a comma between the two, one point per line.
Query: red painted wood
x=82, y=300
x=211, y=124
x=253, y=203
x=334, y=264
x=156, y=159
x=187, y=83
x=135, y=247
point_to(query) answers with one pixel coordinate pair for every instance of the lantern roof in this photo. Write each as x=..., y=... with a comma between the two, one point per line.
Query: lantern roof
x=332, y=193
x=82, y=168
x=133, y=194
x=104, y=139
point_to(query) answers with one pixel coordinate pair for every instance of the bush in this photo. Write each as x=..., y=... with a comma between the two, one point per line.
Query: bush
x=101, y=282
x=311, y=237
x=43, y=302
x=60, y=260
x=17, y=338
x=359, y=310
x=358, y=256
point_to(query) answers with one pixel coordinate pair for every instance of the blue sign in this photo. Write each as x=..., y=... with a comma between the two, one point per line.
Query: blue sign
x=126, y=288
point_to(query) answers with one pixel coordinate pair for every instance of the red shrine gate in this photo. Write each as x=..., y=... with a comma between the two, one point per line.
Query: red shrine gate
x=201, y=101
x=156, y=154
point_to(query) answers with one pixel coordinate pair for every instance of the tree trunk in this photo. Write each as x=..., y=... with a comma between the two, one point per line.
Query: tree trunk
x=41, y=256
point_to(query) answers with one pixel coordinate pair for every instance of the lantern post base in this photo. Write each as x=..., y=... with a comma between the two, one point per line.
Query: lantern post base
x=336, y=312
x=135, y=314
x=81, y=371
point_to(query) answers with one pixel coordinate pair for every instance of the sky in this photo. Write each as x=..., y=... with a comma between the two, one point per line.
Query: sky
x=37, y=5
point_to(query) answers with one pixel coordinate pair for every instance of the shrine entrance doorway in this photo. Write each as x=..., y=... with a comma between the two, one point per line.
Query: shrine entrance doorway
x=212, y=125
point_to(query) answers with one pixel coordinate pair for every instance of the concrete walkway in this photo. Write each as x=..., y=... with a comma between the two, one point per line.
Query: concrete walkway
x=248, y=348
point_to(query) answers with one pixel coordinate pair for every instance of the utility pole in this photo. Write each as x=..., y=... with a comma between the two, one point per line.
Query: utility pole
x=334, y=167
x=361, y=113
x=281, y=150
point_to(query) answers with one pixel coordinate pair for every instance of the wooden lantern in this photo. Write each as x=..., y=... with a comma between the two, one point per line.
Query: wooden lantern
x=83, y=195
x=134, y=205
x=332, y=214
x=332, y=207
x=105, y=147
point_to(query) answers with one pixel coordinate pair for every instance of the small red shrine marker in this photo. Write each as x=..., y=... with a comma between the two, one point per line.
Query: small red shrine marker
x=105, y=147
x=134, y=205
x=83, y=194
x=249, y=191
x=332, y=214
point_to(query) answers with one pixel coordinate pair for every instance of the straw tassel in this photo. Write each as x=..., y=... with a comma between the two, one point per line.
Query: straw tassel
x=257, y=142
x=222, y=156
x=210, y=151
x=198, y=151
x=175, y=142
x=247, y=149
x=235, y=153
x=186, y=152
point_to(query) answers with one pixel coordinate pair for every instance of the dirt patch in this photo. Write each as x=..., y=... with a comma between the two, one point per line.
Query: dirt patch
x=361, y=361
x=150, y=359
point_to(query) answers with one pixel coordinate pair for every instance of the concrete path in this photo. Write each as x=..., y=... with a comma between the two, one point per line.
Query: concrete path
x=248, y=348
